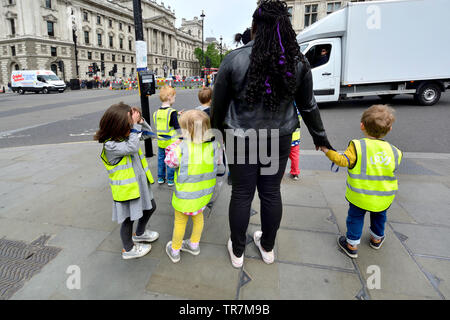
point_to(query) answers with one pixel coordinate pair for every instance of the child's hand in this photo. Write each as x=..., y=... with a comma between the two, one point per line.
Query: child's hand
x=136, y=116
x=180, y=112
x=324, y=149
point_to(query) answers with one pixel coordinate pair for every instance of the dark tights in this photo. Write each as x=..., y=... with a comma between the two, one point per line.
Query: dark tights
x=126, y=230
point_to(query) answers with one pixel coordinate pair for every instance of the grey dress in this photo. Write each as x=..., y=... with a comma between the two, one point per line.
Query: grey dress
x=115, y=151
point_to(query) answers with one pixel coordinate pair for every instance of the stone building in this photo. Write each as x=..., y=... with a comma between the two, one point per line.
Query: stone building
x=38, y=34
x=306, y=12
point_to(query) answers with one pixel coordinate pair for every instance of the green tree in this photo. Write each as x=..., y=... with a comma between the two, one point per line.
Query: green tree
x=212, y=52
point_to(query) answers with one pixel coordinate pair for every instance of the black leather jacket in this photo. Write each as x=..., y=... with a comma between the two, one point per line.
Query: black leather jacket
x=229, y=108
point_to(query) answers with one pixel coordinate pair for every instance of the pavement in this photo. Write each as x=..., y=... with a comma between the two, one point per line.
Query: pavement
x=62, y=191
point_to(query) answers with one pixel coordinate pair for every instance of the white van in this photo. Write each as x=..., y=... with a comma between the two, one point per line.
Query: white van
x=36, y=81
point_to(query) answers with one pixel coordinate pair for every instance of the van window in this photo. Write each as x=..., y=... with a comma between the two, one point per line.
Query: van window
x=303, y=47
x=319, y=55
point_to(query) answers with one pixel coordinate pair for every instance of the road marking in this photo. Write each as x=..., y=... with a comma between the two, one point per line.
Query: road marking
x=5, y=134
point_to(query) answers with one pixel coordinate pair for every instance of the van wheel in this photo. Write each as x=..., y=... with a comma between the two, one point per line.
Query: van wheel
x=428, y=94
x=21, y=91
x=45, y=90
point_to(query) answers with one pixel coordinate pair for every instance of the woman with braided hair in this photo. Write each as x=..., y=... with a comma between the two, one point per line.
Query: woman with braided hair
x=255, y=91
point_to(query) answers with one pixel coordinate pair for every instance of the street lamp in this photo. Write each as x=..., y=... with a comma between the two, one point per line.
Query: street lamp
x=167, y=64
x=221, y=49
x=203, y=52
x=74, y=33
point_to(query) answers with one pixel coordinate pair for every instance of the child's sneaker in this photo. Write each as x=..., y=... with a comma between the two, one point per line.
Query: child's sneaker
x=235, y=261
x=186, y=246
x=352, y=252
x=170, y=183
x=268, y=257
x=294, y=177
x=139, y=250
x=147, y=236
x=161, y=181
x=376, y=244
x=174, y=257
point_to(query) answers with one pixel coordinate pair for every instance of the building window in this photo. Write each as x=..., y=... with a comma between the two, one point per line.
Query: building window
x=333, y=6
x=123, y=58
x=290, y=12
x=120, y=25
x=99, y=39
x=89, y=55
x=86, y=37
x=99, y=20
x=48, y=4
x=124, y=72
x=85, y=16
x=130, y=45
x=111, y=41
x=121, y=43
x=50, y=29
x=113, y=57
x=13, y=27
x=13, y=51
x=102, y=56
x=132, y=59
x=310, y=14
x=110, y=23
x=53, y=51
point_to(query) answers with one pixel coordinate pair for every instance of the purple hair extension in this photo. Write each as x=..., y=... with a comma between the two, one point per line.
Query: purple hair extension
x=267, y=84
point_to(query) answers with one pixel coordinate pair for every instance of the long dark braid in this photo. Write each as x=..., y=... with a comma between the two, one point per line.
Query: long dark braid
x=275, y=55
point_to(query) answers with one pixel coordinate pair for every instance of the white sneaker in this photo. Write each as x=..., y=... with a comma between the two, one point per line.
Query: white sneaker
x=174, y=257
x=235, y=261
x=138, y=251
x=147, y=236
x=268, y=257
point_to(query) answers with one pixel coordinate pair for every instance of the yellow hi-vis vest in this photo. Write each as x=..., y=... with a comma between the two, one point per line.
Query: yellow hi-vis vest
x=371, y=184
x=296, y=135
x=122, y=178
x=195, y=177
x=161, y=118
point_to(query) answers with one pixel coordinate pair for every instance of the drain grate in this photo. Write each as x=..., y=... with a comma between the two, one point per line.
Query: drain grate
x=20, y=261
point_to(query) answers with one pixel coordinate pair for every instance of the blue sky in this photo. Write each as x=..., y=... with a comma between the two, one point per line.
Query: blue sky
x=223, y=17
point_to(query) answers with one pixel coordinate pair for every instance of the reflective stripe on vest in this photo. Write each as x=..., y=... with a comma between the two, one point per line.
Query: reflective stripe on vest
x=371, y=184
x=196, y=176
x=161, y=118
x=122, y=178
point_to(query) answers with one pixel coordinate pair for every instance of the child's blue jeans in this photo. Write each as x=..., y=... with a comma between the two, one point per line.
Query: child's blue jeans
x=355, y=223
x=162, y=166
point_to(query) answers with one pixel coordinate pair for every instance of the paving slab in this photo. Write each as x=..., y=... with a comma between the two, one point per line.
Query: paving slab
x=26, y=231
x=438, y=269
x=104, y=276
x=75, y=207
x=264, y=283
x=304, y=194
x=206, y=276
x=312, y=248
x=436, y=213
x=304, y=218
x=425, y=240
x=305, y=283
x=77, y=245
x=427, y=192
x=14, y=194
x=400, y=275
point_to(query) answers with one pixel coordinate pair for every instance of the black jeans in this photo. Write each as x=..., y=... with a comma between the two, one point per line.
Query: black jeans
x=126, y=230
x=246, y=178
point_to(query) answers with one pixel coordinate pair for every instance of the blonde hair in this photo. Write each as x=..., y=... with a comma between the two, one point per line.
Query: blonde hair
x=205, y=95
x=378, y=120
x=166, y=92
x=195, y=125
